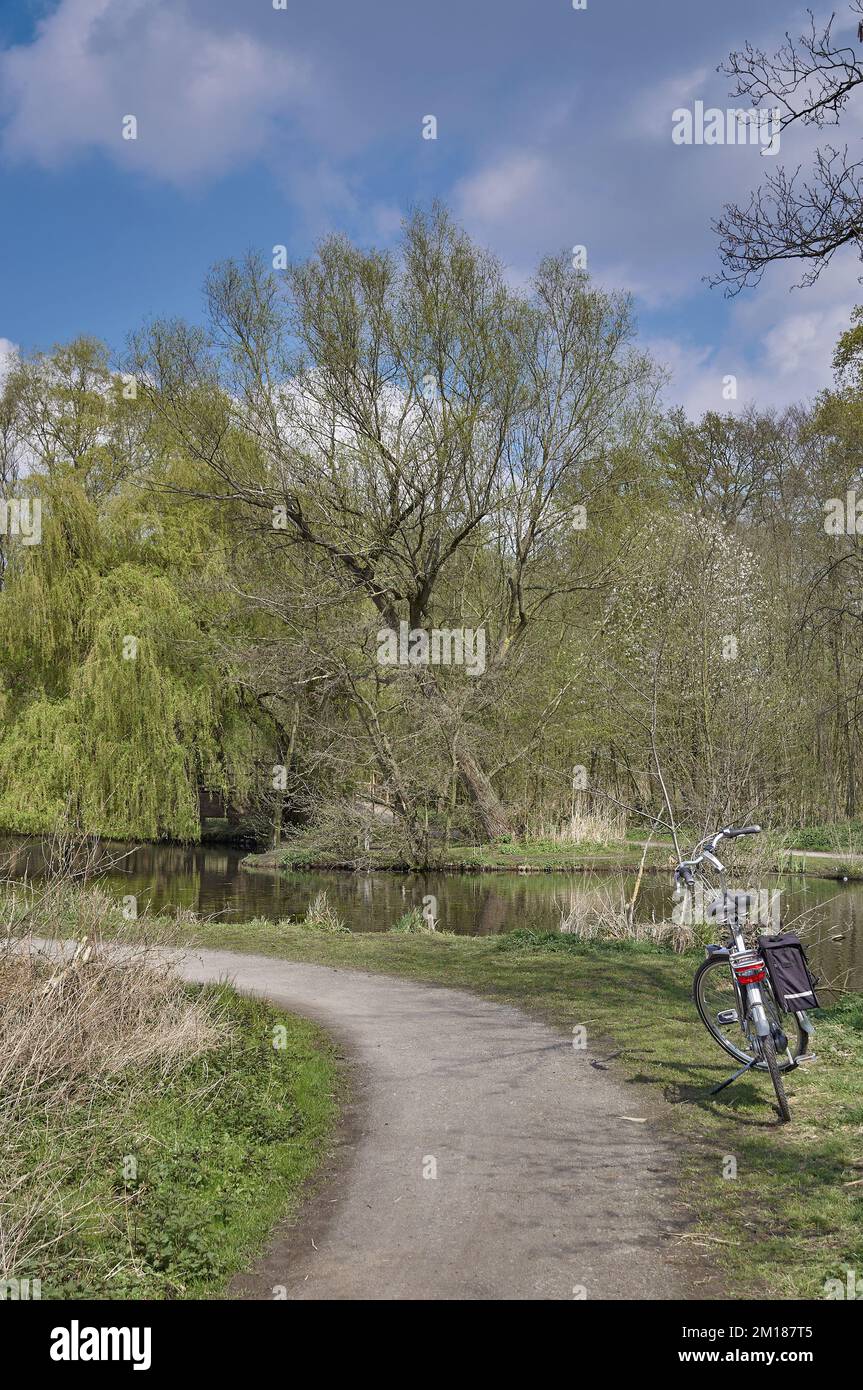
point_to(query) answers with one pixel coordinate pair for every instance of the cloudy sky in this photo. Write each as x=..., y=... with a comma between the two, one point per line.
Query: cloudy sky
x=259, y=126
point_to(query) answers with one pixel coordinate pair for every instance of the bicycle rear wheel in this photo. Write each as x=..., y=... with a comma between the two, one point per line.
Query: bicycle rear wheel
x=718, y=1005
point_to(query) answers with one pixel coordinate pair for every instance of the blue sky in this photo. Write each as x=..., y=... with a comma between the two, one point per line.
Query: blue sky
x=259, y=126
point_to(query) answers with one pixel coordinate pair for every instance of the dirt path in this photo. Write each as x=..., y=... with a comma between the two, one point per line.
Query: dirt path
x=541, y=1187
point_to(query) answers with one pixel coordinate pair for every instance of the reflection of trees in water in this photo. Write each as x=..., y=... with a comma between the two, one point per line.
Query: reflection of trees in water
x=830, y=932
x=166, y=876
x=494, y=914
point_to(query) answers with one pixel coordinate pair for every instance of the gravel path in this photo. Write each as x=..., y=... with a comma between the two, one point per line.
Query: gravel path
x=542, y=1188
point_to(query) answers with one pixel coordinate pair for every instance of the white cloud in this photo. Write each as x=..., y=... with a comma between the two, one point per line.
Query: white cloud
x=694, y=380
x=778, y=342
x=8, y=354
x=649, y=113
x=203, y=99
x=501, y=189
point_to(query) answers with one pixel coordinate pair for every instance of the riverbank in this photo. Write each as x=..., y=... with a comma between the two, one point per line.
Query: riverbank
x=543, y=857
x=777, y=1207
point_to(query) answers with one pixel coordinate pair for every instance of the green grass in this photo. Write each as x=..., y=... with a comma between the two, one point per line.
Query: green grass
x=838, y=837
x=787, y=1221
x=833, y=866
x=548, y=855
x=183, y=1191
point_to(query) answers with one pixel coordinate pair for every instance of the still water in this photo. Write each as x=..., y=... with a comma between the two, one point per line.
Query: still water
x=208, y=880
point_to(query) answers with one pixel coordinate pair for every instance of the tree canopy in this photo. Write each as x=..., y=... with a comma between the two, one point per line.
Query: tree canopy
x=374, y=440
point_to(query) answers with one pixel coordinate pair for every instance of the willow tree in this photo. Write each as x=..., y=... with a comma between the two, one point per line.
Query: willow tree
x=412, y=418
x=116, y=700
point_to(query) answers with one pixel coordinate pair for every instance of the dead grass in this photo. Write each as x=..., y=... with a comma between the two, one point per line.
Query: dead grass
x=76, y=1022
x=603, y=914
x=602, y=826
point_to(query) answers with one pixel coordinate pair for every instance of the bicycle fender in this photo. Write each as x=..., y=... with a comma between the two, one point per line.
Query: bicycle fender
x=757, y=1012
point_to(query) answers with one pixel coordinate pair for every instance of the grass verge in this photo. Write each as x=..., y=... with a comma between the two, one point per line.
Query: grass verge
x=149, y=1155
x=221, y=1153
x=543, y=856
x=537, y=856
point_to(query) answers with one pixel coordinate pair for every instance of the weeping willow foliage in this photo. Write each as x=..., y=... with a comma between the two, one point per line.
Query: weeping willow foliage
x=40, y=754
x=115, y=709
x=152, y=714
x=47, y=599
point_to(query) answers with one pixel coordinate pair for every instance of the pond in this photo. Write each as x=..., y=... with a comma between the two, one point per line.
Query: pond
x=208, y=880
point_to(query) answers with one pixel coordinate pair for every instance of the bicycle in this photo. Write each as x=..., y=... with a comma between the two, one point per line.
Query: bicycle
x=732, y=989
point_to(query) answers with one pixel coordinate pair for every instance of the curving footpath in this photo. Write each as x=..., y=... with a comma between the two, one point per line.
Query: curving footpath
x=542, y=1189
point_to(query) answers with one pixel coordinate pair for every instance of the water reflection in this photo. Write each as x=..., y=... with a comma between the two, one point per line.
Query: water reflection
x=208, y=880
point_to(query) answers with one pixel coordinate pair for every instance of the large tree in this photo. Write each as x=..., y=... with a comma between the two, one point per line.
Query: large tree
x=428, y=439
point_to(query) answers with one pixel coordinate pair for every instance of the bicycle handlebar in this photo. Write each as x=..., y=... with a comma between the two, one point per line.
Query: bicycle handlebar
x=730, y=832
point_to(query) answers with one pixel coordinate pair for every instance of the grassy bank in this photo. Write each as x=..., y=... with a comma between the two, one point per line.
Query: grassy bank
x=544, y=856
x=152, y=1133
x=535, y=856
x=222, y=1152
x=790, y=1218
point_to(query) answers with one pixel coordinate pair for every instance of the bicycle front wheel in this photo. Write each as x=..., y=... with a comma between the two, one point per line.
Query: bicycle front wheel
x=718, y=1005
x=769, y=1053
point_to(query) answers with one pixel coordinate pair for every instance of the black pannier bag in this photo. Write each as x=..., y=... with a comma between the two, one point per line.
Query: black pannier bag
x=792, y=980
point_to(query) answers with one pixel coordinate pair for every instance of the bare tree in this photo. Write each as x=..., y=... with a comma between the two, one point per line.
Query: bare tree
x=12, y=460
x=796, y=216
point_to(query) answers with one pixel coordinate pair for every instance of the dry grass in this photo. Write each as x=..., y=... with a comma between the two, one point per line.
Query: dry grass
x=603, y=914
x=602, y=826
x=76, y=1023
x=321, y=916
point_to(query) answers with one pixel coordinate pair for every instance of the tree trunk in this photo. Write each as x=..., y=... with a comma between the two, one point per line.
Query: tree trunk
x=485, y=800
x=476, y=782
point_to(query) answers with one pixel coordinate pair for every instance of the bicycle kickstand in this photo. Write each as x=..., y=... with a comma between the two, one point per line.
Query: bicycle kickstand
x=727, y=1082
